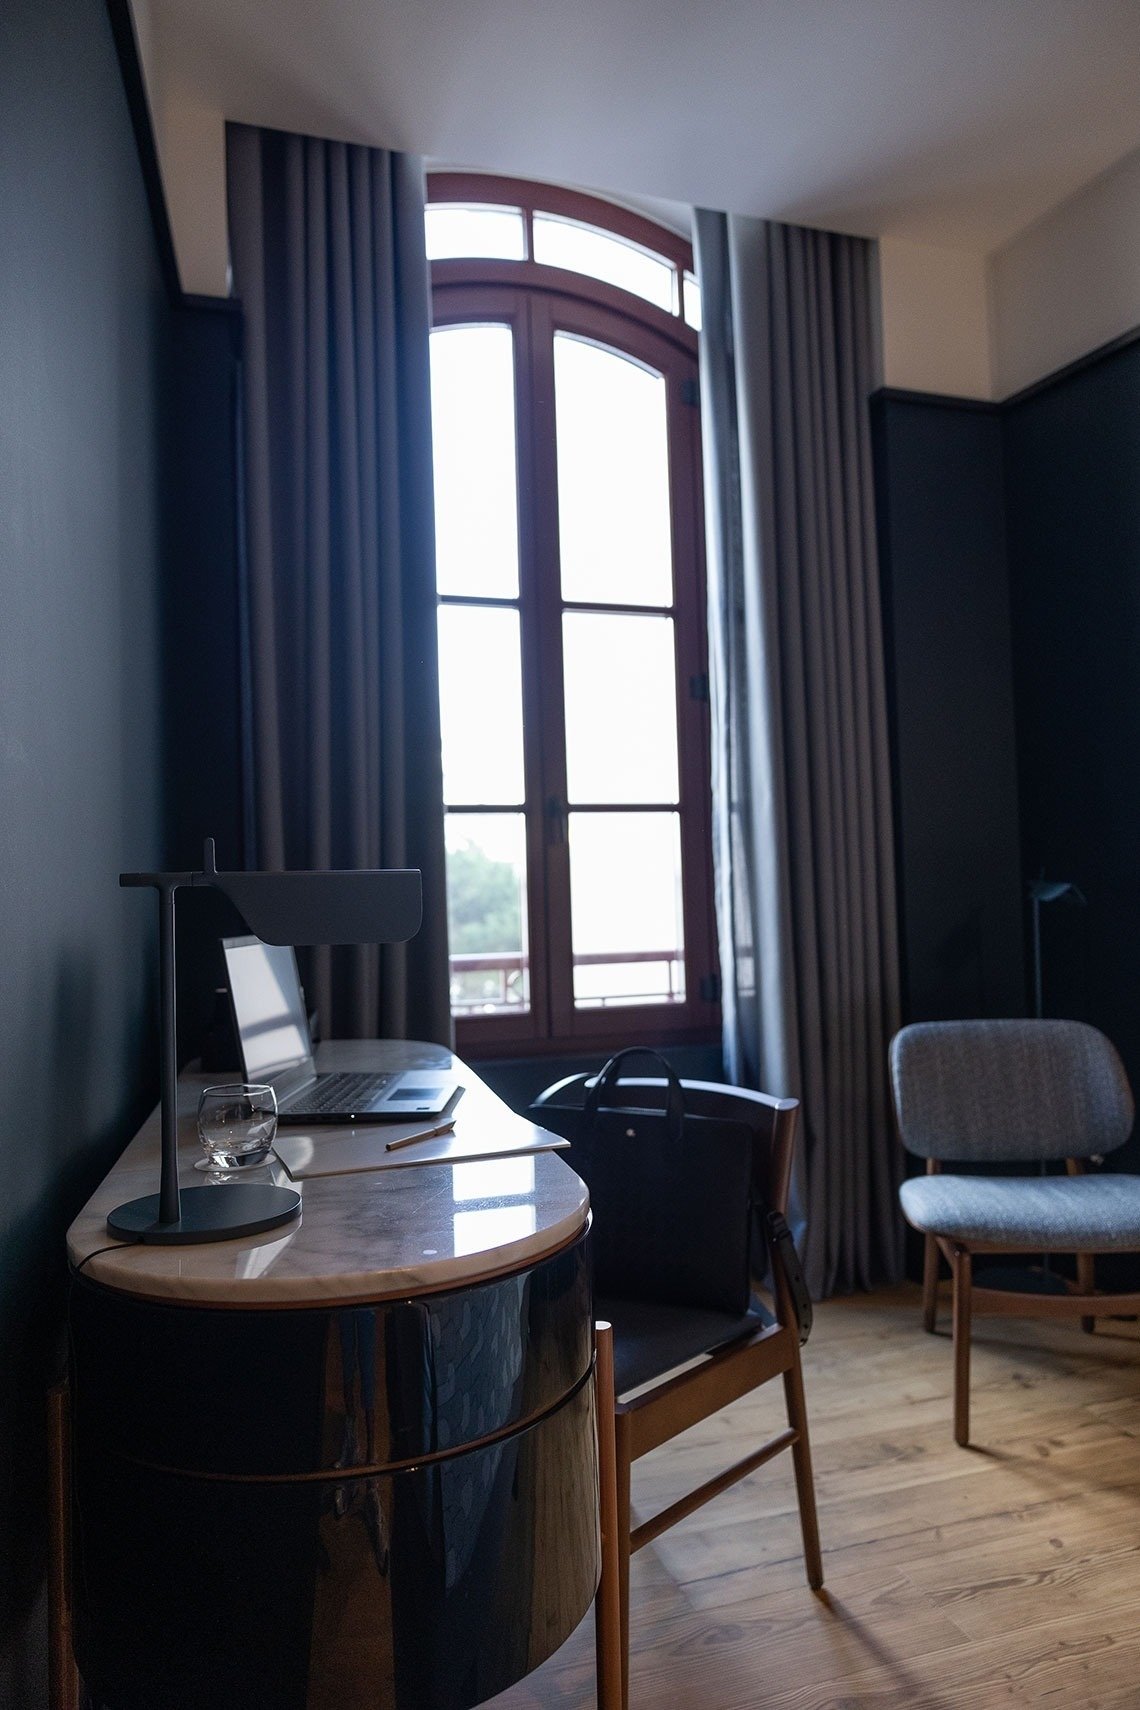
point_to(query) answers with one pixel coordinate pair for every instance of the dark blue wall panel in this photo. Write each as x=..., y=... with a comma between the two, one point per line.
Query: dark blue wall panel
x=1072, y=461
x=946, y=604
x=83, y=338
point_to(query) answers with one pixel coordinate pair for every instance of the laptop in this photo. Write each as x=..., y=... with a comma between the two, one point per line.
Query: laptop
x=277, y=1049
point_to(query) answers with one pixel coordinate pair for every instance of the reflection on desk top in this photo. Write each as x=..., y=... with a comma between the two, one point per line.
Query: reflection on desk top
x=367, y=1236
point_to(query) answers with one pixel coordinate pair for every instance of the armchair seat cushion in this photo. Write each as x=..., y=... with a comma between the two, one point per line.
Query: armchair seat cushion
x=1059, y=1214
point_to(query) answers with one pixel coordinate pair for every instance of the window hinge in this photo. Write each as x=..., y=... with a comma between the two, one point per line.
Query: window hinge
x=710, y=988
x=699, y=687
x=690, y=393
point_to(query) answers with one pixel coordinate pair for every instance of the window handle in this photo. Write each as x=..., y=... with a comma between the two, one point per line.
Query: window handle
x=555, y=820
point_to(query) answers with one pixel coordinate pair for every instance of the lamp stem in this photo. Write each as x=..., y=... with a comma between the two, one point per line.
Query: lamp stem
x=1038, y=995
x=169, y=1208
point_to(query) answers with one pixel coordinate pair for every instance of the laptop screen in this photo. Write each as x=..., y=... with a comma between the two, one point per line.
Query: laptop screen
x=269, y=1010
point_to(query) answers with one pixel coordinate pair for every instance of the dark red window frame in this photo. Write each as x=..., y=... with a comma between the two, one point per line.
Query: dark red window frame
x=535, y=300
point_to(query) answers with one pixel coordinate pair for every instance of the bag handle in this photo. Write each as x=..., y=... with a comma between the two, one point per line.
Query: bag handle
x=608, y=1078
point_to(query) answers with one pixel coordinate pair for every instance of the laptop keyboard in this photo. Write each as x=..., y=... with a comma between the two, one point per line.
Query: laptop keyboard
x=338, y=1092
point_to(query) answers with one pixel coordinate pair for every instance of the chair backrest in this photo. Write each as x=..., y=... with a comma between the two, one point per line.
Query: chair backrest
x=1008, y=1091
x=771, y=1120
x=677, y=1222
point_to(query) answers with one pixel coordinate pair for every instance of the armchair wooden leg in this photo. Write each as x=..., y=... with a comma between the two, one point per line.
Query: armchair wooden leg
x=805, y=1484
x=622, y=1445
x=960, y=1266
x=930, y=1283
x=607, y=1603
x=1086, y=1282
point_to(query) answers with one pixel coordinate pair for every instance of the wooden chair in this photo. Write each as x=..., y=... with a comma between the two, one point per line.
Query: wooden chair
x=1002, y=1093
x=654, y=1399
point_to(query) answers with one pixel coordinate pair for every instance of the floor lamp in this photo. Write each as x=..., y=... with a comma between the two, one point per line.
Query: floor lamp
x=1044, y=891
x=366, y=906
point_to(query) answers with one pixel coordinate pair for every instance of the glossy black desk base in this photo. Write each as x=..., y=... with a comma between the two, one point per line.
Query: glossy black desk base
x=388, y=1507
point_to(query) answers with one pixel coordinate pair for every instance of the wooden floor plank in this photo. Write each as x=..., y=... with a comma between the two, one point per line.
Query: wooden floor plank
x=1001, y=1577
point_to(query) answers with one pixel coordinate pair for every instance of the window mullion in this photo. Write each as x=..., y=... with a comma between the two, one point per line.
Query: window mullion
x=548, y=609
x=530, y=603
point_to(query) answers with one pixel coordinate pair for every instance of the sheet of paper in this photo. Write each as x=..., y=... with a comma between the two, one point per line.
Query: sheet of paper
x=339, y=1151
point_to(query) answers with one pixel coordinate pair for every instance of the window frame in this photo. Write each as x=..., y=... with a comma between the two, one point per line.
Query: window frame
x=537, y=301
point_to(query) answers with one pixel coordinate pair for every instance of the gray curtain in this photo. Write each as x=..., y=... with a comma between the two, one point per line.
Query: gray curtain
x=802, y=818
x=343, y=745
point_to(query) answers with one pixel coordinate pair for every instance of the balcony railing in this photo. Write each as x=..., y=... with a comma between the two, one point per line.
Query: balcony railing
x=501, y=978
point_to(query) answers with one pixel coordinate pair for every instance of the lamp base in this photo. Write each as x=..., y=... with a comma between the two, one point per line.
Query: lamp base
x=217, y=1213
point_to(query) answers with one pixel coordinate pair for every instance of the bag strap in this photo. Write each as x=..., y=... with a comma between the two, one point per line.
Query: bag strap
x=607, y=1082
x=781, y=1237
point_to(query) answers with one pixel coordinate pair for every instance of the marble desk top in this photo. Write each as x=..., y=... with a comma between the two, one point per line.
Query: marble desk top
x=366, y=1236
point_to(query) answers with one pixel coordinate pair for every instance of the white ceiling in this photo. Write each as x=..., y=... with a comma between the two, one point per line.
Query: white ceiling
x=953, y=122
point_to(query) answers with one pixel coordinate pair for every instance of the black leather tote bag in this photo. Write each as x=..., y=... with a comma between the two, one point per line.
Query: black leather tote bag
x=675, y=1218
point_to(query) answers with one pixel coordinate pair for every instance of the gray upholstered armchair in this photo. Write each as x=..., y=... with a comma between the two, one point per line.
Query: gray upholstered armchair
x=1021, y=1093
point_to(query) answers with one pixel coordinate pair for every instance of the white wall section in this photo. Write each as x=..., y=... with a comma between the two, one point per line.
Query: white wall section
x=935, y=319
x=1071, y=282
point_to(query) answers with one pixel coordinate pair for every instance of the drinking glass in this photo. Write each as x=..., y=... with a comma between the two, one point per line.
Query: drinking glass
x=236, y=1125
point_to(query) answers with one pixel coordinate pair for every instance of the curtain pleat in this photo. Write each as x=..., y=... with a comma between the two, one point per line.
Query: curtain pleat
x=802, y=817
x=328, y=258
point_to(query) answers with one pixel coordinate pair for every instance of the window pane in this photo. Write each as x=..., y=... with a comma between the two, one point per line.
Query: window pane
x=625, y=904
x=473, y=440
x=480, y=703
x=467, y=230
x=692, y=300
x=486, y=913
x=586, y=249
x=613, y=476
x=621, y=707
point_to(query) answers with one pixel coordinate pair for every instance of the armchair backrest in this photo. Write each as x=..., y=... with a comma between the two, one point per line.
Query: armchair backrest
x=1008, y=1091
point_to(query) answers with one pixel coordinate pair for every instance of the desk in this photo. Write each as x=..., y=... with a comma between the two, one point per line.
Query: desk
x=349, y=1464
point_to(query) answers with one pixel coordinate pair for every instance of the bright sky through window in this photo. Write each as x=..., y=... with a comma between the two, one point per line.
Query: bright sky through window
x=571, y=618
x=620, y=694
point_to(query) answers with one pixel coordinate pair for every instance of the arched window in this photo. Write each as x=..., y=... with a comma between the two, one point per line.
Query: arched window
x=571, y=621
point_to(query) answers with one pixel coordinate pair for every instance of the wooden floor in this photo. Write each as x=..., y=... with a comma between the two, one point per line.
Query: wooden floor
x=1007, y=1574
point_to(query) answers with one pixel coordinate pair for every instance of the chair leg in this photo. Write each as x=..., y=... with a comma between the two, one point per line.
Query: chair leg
x=623, y=1533
x=960, y=1266
x=607, y=1603
x=930, y=1283
x=801, y=1461
x=1086, y=1282
x=63, y=1677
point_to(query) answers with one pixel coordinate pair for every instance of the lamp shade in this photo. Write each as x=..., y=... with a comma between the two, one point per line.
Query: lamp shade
x=373, y=906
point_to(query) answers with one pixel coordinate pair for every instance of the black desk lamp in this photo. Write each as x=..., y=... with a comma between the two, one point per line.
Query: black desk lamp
x=369, y=906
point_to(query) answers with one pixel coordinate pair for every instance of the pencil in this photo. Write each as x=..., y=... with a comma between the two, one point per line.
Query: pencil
x=427, y=1134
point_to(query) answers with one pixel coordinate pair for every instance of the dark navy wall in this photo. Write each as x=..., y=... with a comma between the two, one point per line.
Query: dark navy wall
x=942, y=546
x=1072, y=461
x=201, y=619
x=83, y=346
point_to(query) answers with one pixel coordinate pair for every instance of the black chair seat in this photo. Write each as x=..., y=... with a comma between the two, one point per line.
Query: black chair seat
x=650, y=1340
